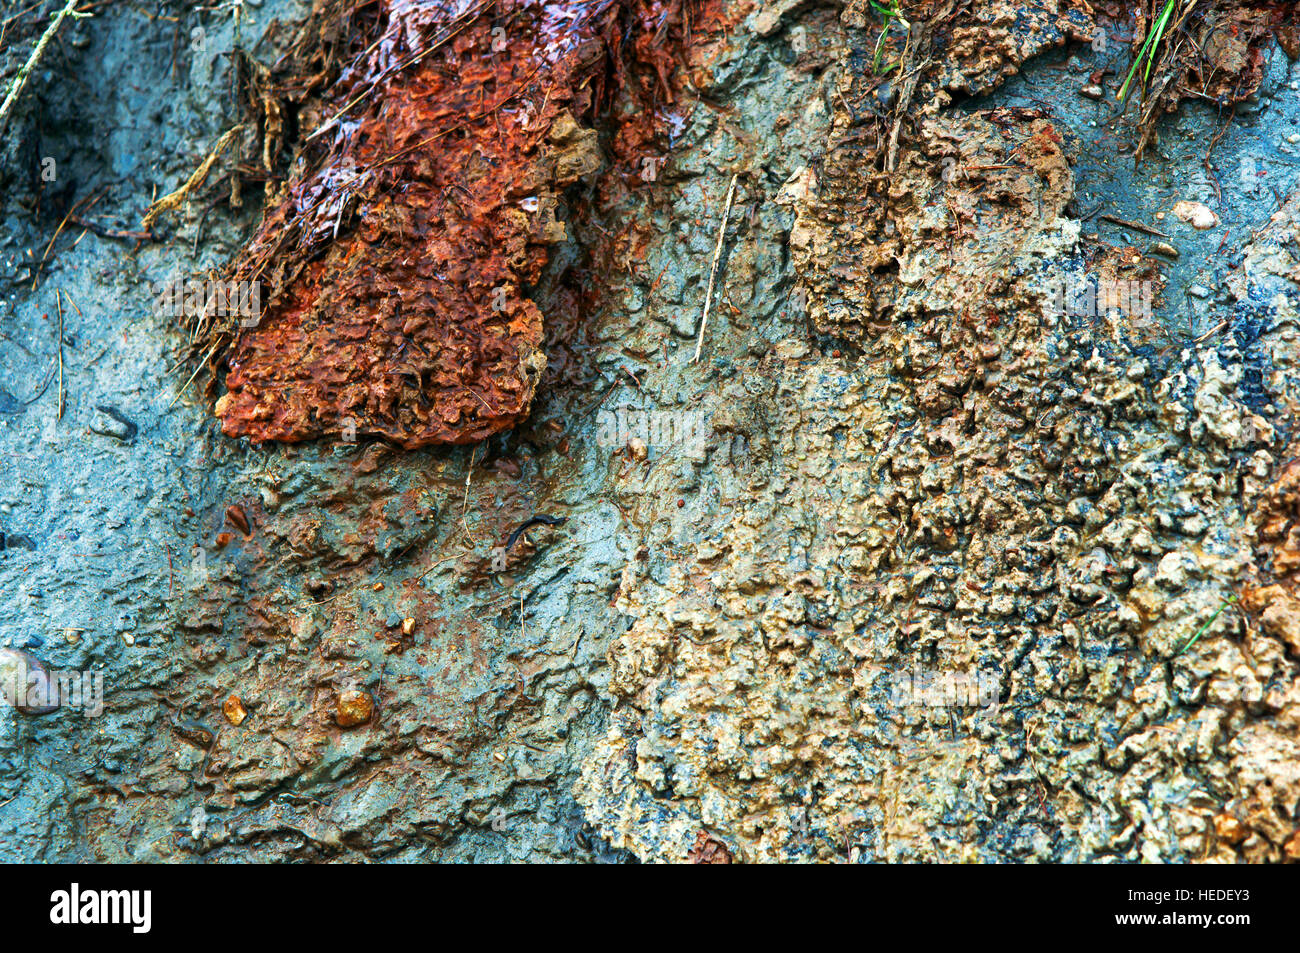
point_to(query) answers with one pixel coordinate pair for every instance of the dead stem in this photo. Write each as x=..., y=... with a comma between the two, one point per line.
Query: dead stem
x=20, y=80
x=174, y=199
x=713, y=271
x=59, y=307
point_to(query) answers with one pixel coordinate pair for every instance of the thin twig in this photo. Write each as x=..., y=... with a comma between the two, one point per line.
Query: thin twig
x=58, y=304
x=186, y=385
x=713, y=271
x=105, y=232
x=95, y=196
x=1137, y=226
x=20, y=80
x=175, y=199
x=468, y=16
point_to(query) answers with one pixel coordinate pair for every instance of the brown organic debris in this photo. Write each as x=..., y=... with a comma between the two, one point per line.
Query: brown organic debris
x=178, y=198
x=1216, y=51
x=978, y=191
x=970, y=47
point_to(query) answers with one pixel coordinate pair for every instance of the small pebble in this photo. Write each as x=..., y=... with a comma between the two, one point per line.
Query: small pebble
x=354, y=708
x=1196, y=214
x=1230, y=829
x=110, y=422
x=237, y=518
x=233, y=709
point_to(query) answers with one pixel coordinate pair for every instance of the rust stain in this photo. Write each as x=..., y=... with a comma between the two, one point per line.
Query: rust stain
x=397, y=270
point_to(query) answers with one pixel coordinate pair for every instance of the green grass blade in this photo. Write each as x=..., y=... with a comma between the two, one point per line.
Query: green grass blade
x=884, y=31
x=1208, y=622
x=1160, y=32
x=1148, y=46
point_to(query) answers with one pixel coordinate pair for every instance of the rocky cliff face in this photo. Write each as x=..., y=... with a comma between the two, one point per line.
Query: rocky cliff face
x=969, y=535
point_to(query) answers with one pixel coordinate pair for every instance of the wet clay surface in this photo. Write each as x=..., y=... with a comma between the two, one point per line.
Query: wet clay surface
x=898, y=456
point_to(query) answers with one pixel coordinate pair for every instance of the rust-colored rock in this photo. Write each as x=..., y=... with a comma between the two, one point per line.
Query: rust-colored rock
x=234, y=710
x=709, y=850
x=397, y=268
x=237, y=518
x=1229, y=829
x=354, y=708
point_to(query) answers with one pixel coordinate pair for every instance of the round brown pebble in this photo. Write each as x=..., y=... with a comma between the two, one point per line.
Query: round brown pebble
x=355, y=708
x=237, y=518
x=234, y=710
x=680, y=504
x=1230, y=829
